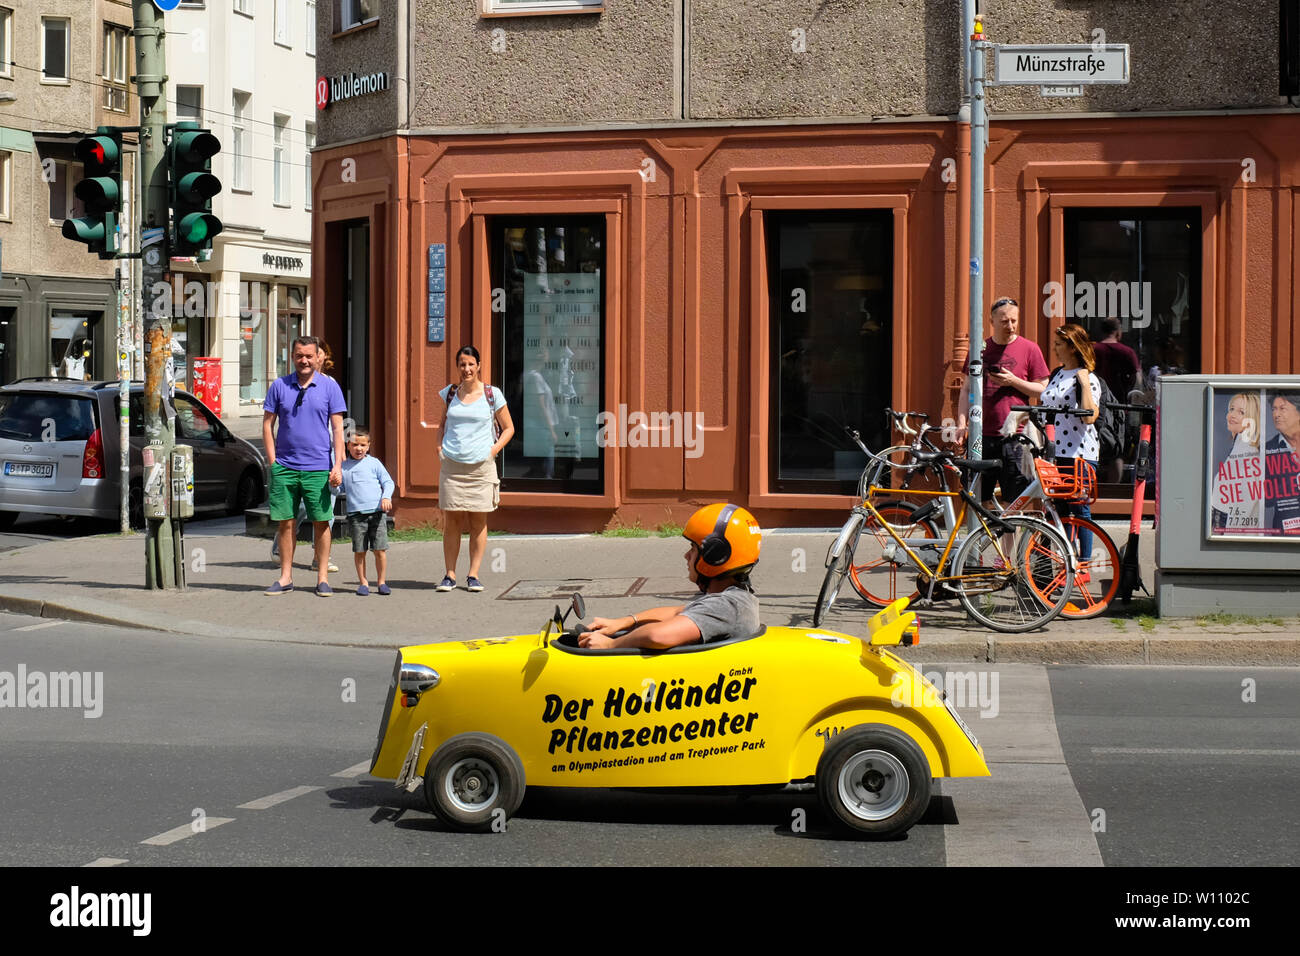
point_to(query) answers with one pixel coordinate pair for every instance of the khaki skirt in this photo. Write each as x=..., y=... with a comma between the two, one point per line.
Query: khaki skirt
x=468, y=487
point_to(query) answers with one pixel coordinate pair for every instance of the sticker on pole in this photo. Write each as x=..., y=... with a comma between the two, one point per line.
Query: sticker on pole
x=975, y=267
x=166, y=6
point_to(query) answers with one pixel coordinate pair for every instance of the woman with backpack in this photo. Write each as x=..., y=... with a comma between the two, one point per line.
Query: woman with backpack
x=475, y=427
x=1073, y=384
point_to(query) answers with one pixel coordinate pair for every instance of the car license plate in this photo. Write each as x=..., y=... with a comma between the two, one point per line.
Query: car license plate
x=27, y=469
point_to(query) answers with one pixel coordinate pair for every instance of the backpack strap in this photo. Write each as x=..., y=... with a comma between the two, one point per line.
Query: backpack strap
x=451, y=393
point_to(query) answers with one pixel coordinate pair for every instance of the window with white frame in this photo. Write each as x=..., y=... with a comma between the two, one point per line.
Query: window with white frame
x=189, y=104
x=6, y=41
x=64, y=203
x=244, y=6
x=280, y=166
x=310, y=29
x=56, y=49
x=6, y=173
x=239, y=142
x=353, y=13
x=114, y=72
x=309, y=139
x=506, y=8
x=282, y=22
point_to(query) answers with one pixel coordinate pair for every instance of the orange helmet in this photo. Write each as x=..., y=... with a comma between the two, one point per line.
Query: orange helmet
x=728, y=539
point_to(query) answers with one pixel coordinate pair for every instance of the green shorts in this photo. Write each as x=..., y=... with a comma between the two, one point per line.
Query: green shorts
x=288, y=487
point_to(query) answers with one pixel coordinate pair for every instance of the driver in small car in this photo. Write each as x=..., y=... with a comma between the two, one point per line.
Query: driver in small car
x=725, y=541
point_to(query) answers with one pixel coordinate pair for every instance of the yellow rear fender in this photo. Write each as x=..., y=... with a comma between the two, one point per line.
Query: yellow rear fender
x=947, y=750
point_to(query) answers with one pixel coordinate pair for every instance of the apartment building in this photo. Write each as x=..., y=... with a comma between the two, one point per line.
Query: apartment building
x=756, y=213
x=245, y=69
x=65, y=70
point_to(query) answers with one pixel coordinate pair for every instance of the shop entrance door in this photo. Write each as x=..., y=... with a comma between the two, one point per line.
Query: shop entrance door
x=8, y=345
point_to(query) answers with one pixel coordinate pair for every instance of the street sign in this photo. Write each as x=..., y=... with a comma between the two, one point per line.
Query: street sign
x=1060, y=64
x=166, y=5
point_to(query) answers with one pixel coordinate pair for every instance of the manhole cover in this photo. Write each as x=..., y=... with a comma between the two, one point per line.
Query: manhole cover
x=561, y=589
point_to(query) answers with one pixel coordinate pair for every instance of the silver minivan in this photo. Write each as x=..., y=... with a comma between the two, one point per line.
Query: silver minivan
x=59, y=452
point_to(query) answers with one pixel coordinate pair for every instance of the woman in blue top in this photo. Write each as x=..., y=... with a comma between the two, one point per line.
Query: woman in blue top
x=468, y=486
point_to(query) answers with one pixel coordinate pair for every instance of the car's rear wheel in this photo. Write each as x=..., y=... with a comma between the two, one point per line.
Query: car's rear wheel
x=873, y=782
x=7, y=519
x=474, y=782
x=248, y=493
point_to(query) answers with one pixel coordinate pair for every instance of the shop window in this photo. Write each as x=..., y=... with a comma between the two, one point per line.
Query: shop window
x=290, y=317
x=1141, y=268
x=253, y=341
x=72, y=341
x=832, y=348
x=548, y=347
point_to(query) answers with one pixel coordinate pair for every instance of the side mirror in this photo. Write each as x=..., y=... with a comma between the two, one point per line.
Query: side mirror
x=579, y=606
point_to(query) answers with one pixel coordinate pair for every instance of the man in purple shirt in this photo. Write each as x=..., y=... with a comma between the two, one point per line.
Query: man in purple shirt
x=1014, y=374
x=306, y=456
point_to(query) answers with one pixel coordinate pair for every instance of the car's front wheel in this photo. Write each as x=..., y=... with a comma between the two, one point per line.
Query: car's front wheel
x=874, y=781
x=474, y=782
x=247, y=494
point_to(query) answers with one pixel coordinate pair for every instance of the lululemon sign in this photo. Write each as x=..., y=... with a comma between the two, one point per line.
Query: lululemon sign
x=348, y=85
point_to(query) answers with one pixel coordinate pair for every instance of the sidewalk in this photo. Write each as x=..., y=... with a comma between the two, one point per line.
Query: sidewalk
x=101, y=579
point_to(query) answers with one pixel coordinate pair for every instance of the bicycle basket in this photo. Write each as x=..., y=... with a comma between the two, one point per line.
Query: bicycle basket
x=1074, y=483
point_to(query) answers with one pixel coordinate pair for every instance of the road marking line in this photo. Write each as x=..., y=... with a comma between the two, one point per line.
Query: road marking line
x=104, y=861
x=265, y=803
x=168, y=837
x=1196, y=751
x=37, y=627
x=1029, y=813
x=355, y=770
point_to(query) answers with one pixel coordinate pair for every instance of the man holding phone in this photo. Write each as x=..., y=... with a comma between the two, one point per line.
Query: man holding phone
x=1014, y=374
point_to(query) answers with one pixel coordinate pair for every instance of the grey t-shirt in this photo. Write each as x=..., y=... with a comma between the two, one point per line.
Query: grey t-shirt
x=724, y=614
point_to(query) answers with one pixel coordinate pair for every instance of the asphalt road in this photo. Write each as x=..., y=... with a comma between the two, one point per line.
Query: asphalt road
x=267, y=745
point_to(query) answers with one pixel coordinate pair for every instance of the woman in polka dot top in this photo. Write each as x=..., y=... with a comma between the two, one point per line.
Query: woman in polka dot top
x=1073, y=385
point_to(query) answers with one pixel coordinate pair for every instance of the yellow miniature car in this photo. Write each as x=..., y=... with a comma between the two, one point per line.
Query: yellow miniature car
x=476, y=721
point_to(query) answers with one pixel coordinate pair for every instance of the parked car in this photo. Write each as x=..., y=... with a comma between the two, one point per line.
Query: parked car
x=60, y=446
x=476, y=720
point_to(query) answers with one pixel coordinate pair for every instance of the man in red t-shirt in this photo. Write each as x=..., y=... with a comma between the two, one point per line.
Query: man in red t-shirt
x=1014, y=373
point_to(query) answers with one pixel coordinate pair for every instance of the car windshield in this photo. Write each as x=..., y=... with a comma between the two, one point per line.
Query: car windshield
x=43, y=417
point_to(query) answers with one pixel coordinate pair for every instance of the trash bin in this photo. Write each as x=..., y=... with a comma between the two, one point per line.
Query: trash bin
x=206, y=382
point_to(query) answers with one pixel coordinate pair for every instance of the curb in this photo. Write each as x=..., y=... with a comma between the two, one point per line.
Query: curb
x=1227, y=650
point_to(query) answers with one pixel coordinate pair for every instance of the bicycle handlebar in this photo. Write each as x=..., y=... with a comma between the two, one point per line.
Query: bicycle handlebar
x=1049, y=410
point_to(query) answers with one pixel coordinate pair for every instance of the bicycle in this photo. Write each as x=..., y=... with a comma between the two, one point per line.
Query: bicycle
x=997, y=584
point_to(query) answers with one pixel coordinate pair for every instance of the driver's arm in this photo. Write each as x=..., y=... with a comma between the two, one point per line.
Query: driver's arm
x=609, y=626
x=658, y=635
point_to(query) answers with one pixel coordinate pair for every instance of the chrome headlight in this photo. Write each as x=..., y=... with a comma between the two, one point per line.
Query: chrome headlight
x=416, y=679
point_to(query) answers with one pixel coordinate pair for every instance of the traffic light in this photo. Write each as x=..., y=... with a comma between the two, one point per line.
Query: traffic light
x=192, y=186
x=100, y=192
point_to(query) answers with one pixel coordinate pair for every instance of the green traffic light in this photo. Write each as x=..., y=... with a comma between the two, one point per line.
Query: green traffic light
x=198, y=228
x=189, y=159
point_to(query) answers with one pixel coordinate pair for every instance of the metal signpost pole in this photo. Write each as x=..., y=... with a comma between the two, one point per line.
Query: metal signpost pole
x=162, y=566
x=124, y=402
x=978, y=144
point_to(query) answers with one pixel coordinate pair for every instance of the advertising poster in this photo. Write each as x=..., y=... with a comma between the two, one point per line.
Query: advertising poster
x=561, y=364
x=1253, y=445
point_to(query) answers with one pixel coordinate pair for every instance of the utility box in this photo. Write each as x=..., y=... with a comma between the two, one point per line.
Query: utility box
x=205, y=382
x=182, y=479
x=155, y=480
x=1229, y=532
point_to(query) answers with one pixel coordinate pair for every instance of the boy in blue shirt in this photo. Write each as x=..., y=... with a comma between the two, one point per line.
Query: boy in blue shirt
x=369, y=490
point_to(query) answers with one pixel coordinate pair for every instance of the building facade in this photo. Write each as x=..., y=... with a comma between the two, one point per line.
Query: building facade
x=65, y=70
x=693, y=239
x=245, y=69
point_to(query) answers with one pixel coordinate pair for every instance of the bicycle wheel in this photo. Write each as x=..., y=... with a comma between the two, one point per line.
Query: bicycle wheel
x=836, y=568
x=1096, y=581
x=878, y=561
x=1016, y=581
